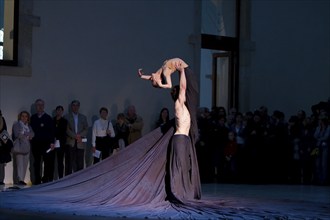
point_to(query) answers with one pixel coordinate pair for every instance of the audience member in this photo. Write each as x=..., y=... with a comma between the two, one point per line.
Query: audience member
x=43, y=144
x=248, y=118
x=164, y=117
x=203, y=148
x=203, y=121
x=219, y=112
x=60, y=135
x=321, y=108
x=121, y=131
x=5, y=148
x=230, y=152
x=301, y=144
x=231, y=116
x=301, y=116
x=322, y=134
x=102, y=135
x=256, y=132
x=218, y=139
x=135, y=124
x=22, y=133
x=77, y=130
x=239, y=129
x=295, y=132
x=276, y=146
x=307, y=143
x=264, y=116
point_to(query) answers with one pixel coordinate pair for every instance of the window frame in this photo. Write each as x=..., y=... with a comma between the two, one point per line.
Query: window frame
x=14, y=61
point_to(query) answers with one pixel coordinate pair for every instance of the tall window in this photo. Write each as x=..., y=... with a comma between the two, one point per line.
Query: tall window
x=219, y=55
x=8, y=32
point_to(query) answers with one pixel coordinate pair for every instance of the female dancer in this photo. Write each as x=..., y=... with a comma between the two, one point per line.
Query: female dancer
x=162, y=77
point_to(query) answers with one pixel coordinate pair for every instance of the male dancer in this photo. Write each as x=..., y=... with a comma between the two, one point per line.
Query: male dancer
x=182, y=169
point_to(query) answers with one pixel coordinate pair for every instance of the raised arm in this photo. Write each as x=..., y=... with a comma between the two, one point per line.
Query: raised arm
x=182, y=84
x=142, y=76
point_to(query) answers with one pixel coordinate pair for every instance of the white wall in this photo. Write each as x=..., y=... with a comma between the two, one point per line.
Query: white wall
x=290, y=67
x=91, y=50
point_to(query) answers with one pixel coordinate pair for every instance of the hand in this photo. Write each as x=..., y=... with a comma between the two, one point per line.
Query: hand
x=52, y=146
x=78, y=138
x=93, y=149
x=140, y=73
x=179, y=66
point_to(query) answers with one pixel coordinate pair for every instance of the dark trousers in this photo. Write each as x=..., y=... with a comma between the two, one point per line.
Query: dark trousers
x=103, y=144
x=76, y=158
x=48, y=159
x=60, y=163
x=68, y=167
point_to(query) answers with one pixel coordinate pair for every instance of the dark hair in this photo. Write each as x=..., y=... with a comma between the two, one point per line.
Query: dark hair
x=160, y=114
x=163, y=123
x=175, y=92
x=121, y=116
x=39, y=100
x=75, y=102
x=59, y=107
x=103, y=109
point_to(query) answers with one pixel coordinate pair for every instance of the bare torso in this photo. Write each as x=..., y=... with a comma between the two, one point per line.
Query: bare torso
x=182, y=119
x=169, y=66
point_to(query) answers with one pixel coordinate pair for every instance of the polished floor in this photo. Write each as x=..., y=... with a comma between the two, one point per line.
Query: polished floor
x=303, y=202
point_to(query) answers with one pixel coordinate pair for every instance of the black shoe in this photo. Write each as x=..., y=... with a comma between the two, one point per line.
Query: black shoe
x=2, y=183
x=21, y=183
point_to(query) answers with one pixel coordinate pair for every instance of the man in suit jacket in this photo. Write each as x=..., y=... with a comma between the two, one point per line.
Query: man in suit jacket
x=135, y=124
x=76, y=139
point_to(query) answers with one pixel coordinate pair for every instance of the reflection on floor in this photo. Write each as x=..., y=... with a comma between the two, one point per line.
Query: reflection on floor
x=310, y=201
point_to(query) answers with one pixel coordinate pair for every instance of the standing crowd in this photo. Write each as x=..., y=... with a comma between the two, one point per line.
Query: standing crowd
x=258, y=147
x=56, y=146
x=250, y=147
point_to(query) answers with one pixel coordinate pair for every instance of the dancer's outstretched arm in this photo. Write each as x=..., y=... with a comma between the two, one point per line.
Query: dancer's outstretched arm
x=143, y=76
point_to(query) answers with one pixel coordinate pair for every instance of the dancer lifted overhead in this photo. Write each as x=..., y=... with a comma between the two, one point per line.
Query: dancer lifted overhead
x=162, y=77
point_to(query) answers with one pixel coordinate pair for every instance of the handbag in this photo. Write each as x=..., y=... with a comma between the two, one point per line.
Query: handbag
x=20, y=147
x=4, y=136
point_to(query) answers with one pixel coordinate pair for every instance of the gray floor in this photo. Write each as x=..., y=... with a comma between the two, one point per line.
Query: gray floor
x=309, y=201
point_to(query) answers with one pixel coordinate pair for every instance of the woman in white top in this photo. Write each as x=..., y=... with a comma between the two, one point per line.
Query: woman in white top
x=102, y=136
